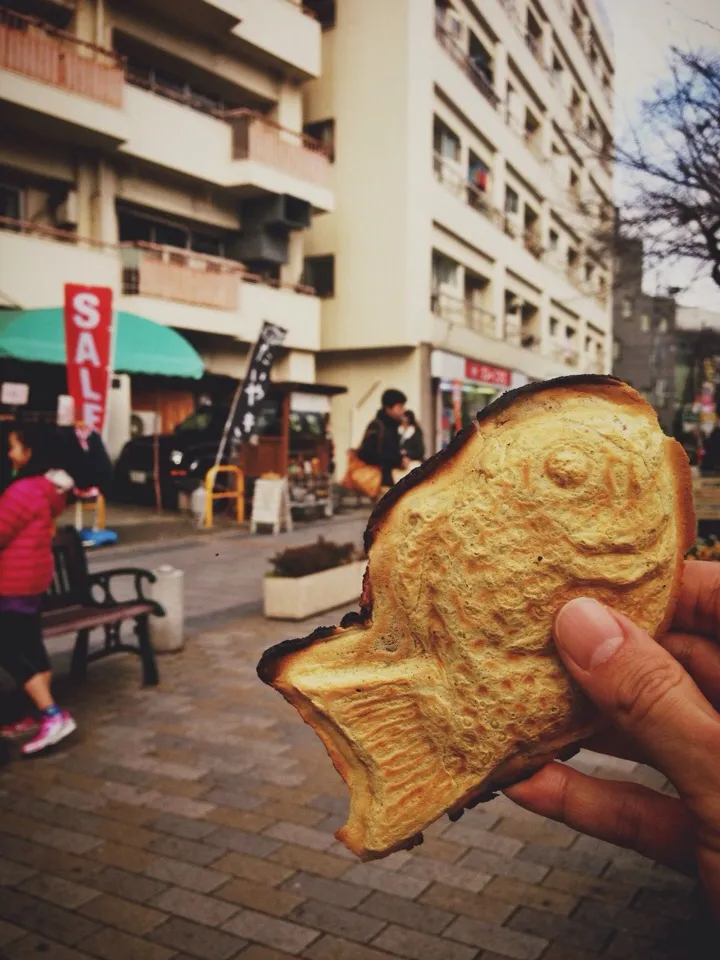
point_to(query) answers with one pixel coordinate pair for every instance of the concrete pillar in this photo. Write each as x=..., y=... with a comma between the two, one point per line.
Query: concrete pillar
x=288, y=112
x=103, y=204
x=497, y=299
x=291, y=272
x=544, y=323
x=501, y=73
x=545, y=220
x=497, y=189
x=85, y=185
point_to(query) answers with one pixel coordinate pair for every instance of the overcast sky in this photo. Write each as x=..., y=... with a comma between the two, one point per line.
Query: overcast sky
x=644, y=31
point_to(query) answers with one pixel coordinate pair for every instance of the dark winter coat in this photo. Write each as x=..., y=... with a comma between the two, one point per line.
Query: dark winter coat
x=380, y=446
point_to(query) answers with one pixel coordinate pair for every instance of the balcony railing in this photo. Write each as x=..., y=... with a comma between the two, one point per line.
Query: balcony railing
x=464, y=313
x=171, y=273
x=564, y=353
x=533, y=244
x=464, y=189
x=259, y=139
x=520, y=336
x=36, y=49
x=466, y=64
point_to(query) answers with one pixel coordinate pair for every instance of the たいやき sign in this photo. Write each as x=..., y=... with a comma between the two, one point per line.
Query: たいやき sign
x=88, y=321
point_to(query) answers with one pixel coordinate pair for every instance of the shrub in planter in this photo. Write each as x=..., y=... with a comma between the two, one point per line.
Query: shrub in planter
x=312, y=558
x=312, y=578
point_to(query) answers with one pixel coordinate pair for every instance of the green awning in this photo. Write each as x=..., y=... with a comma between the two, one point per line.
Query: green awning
x=141, y=345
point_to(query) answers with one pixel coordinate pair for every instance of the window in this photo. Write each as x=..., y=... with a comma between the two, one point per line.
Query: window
x=478, y=172
x=446, y=142
x=554, y=240
x=319, y=273
x=324, y=133
x=134, y=227
x=572, y=258
x=480, y=58
x=554, y=326
x=589, y=272
x=627, y=308
x=663, y=325
x=645, y=323
x=512, y=201
x=10, y=202
x=324, y=11
x=570, y=332
x=444, y=270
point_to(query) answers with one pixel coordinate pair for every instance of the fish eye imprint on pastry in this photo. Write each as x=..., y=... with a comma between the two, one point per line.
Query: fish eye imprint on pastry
x=447, y=686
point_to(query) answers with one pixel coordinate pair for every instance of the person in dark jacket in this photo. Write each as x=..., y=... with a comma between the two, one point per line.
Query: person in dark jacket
x=412, y=441
x=380, y=446
x=28, y=507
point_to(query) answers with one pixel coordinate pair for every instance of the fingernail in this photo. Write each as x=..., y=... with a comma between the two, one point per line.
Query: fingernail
x=587, y=632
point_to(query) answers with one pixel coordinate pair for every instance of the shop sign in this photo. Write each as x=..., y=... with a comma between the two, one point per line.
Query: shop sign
x=88, y=322
x=486, y=373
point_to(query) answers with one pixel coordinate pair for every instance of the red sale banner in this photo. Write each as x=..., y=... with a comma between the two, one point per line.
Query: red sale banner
x=88, y=322
x=486, y=373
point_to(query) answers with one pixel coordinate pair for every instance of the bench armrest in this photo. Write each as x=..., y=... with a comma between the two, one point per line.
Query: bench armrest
x=100, y=583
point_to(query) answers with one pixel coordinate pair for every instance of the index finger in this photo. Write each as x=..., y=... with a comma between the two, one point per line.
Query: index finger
x=698, y=608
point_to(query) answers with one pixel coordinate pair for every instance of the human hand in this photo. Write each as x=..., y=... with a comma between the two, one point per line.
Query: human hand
x=663, y=704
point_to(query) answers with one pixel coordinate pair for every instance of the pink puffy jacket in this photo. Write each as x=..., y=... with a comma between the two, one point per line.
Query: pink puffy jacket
x=27, y=510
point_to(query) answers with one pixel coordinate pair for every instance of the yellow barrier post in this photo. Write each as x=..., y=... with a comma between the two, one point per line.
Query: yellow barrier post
x=238, y=494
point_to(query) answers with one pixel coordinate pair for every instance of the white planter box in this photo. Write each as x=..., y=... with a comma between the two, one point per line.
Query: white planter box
x=297, y=598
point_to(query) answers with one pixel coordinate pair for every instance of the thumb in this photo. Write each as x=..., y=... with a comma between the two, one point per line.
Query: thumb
x=643, y=691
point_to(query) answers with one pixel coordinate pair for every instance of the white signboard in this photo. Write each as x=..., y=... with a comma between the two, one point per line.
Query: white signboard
x=14, y=394
x=271, y=505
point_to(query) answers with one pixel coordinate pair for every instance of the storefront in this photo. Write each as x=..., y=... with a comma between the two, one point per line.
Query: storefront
x=461, y=388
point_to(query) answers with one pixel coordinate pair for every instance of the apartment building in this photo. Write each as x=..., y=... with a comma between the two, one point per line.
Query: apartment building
x=470, y=146
x=158, y=148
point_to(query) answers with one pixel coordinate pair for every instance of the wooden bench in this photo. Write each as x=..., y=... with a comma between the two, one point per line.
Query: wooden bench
x=79, y=601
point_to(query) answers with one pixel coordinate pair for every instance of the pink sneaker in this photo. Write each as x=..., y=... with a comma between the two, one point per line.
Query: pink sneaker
x=19, y=729
x=52, y=730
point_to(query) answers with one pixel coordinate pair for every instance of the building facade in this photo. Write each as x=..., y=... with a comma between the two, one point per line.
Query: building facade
x=158, y=148
x=644, y=333
x=470, y=147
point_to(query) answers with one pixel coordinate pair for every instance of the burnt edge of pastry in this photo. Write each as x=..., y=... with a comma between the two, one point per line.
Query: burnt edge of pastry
x=270, y=660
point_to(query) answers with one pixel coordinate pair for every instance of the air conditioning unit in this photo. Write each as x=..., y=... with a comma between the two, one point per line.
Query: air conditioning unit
x=66, y=213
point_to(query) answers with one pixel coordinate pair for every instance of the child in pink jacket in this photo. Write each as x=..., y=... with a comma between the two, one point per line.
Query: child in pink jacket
x=28, y=507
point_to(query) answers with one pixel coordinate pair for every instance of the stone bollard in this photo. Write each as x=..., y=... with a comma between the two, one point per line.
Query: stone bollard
x=168, y=632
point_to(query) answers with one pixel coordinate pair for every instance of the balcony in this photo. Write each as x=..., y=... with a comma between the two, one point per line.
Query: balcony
x=466, y=64
x=456, y=311
x=239, y=150
x=284, y=33
x=169, y=273
x=565, y=354
x=466, y=191
x=52, y=73
x=533, y=244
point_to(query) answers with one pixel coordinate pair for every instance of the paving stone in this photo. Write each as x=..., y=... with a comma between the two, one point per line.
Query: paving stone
x=300, y=858
x=201, y=854
x=543, y=898
x=239, y=799
x=578, y=885
x=566, y=859
x=478, y=906
x=398, y=884
x=666, y=904
x=111, y=944
x=249, y=820
x=491, y=864
x=225, y=838
x=347, y=924
x=333, y=948
x=630, y=920
x=13, y=874
x=580, y=931
x=292, y=813
x=127, y=885
x=123, y=914
x=198, y=940
x=255, y=896
x=63, y=893
x=34, y=946
x=421, y=946
x=562, y=951
x=181, y=826
x=185, y=874
x=543, y=831
x=652, y=879
x=9, y=932
x=250, y=868
x=194, y=906
x=335, y=892
x=254, y=952
x=433, y=848
x=125, y=858
x=329, y=804
x=301, y=836
x=47, y=859
x=44, y=918
x=483, y=839
x=452, y=875
x=406, y=913
x=67, y=840
x=280, y=934
x=519, y=946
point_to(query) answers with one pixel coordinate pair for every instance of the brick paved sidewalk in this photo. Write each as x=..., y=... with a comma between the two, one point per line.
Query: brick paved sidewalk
x=196, y=821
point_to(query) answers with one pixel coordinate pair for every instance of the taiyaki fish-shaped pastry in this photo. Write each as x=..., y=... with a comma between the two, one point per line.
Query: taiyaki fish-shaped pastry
x=447, y=686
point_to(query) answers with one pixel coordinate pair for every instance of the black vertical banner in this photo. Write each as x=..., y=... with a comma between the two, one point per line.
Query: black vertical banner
x=250, y=394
